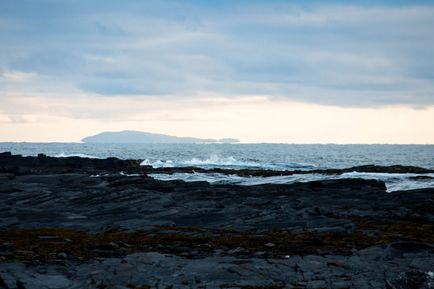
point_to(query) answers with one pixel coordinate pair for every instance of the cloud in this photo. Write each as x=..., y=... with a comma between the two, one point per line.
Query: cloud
x=16, y=75
x=366, y=55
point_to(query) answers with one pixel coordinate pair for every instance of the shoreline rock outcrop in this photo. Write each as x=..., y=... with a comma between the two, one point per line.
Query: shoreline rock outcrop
x=79, y=223
x=40, y=164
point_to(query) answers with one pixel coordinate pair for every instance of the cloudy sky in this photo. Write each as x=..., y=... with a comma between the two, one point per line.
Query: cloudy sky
x=260, y=71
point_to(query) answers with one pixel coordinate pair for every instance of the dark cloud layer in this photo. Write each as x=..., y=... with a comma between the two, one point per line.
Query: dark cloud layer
x=328, y=53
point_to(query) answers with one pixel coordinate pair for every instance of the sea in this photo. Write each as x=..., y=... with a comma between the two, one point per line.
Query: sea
x=254, y=156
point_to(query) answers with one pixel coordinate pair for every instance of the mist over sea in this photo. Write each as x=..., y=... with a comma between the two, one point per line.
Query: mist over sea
x=260, y=156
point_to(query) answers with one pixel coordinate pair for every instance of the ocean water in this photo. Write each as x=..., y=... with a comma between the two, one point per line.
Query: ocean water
x=266, y=156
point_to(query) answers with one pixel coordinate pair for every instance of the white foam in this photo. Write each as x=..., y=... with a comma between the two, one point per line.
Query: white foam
x=158, y=163
x=215, y=161
x=129, y=175
x=217, y=178
x=64, y=155
x=378, y=175
x=212, y=178
x=394, y=182
x=212, y=161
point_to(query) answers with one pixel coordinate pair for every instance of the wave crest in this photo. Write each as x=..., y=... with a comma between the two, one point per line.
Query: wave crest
x=64, y=155
x=215, y=161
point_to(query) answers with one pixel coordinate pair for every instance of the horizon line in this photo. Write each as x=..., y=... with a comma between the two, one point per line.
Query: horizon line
x=204, y=143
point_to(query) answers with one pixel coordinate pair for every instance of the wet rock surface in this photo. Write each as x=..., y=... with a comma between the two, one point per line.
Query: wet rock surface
x=62, y=226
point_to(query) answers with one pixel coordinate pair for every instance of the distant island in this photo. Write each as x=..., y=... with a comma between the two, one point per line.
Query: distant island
x=129, y=136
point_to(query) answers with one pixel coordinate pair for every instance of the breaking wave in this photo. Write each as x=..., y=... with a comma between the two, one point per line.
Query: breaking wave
x=224, y=162
x=63, y=155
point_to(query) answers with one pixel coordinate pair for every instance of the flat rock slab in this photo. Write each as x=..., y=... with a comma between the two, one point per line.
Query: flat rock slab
x=154, y=270
x=96, y=203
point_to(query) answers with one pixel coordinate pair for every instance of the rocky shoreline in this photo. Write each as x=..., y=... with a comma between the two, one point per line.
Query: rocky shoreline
x=80, y=223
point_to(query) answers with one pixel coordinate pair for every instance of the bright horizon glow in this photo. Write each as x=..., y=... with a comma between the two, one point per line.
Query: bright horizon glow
x=252, y=119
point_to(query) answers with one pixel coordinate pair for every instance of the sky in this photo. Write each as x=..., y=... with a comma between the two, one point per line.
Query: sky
x=259, y=71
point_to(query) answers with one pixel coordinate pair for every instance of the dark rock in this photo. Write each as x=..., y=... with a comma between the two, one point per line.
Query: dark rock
x=62, y=255
x=412, y=247
x=412, y=280
x=421, y=178
x=69, y=226
x=5, y=154
x=42, y=164
x=395, y=169
x=7, y=255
